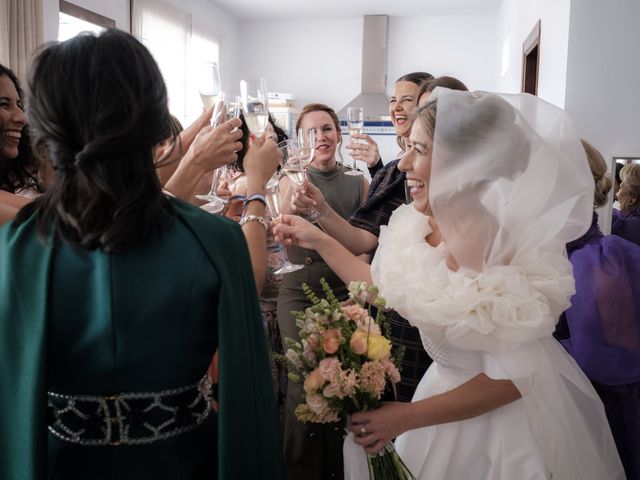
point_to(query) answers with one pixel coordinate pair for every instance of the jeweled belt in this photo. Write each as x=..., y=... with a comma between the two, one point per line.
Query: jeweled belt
x=129, y=418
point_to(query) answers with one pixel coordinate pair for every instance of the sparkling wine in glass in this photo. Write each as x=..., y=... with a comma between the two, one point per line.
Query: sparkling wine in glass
x=355, y=124
x=307, y=144
x=273, y=202
x=209, y=83
x=290, y=161
x=255, y=104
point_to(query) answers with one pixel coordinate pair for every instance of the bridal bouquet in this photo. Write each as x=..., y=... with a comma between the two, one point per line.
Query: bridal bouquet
x=345, y=362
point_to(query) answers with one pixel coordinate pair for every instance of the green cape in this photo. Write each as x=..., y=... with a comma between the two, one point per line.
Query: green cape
x=249, y=443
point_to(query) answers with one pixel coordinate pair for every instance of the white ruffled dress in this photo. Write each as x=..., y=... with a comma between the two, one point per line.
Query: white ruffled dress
x=498, y=322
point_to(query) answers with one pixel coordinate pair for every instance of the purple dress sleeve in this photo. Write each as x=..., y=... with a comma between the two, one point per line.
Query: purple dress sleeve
x=604, y=318
x=627, y=225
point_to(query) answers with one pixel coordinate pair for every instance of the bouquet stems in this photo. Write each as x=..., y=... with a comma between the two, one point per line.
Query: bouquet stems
x=387, y=465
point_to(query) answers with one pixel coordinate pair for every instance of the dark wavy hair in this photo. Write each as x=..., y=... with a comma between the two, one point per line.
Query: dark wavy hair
x=21, y=172
x=280, y=134
x=98, y=105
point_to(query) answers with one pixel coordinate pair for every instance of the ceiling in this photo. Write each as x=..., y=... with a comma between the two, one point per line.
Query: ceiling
x=245, y=10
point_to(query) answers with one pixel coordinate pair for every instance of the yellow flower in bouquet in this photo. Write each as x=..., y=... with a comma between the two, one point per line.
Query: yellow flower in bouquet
x=379, y=348
x=375, y=347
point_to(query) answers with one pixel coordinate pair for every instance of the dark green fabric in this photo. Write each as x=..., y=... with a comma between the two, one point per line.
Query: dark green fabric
x=24, y=272
x=248, y=440
x=248, y=433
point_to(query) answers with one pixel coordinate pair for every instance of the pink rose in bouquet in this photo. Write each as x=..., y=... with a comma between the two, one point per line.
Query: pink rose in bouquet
x=331, y=340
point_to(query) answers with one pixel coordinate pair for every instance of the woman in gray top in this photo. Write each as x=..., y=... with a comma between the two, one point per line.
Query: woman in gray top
x=314, y=451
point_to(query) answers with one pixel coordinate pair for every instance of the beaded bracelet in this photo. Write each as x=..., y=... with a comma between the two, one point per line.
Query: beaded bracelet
x=252, y=198
x=254, y=218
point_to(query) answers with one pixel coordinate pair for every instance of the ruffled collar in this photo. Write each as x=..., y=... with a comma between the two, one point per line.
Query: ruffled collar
x=512, y=303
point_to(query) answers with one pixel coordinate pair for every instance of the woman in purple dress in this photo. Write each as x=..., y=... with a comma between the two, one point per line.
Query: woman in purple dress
x=601, y=330
x=626, y=222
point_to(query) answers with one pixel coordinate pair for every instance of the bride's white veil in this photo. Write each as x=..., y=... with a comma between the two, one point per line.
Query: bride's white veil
x=508, y=175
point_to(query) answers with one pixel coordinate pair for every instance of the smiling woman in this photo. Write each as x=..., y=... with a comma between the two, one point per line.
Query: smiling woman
x=18, y=167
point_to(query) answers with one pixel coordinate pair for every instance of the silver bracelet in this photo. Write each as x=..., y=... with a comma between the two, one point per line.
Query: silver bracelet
x=254, y=218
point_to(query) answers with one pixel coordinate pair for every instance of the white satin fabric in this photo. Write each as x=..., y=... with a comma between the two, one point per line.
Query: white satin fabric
x=498, y=322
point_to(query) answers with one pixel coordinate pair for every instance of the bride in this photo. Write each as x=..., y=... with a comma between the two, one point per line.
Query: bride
x=478, y=263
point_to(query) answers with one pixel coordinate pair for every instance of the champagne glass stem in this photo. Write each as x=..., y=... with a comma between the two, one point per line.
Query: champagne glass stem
x=217, y=173
x=287, y=266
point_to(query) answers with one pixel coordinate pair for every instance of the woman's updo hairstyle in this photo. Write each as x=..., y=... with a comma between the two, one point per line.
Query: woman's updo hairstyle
x=600, y=174
x=98, y=106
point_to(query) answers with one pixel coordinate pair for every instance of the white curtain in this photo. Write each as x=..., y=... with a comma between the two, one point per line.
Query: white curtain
x=21, y=31
x=178, y=45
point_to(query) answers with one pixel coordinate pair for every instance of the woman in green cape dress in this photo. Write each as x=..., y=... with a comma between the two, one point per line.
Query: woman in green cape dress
x=113, y=296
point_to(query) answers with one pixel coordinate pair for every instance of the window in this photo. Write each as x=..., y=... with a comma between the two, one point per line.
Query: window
x=74, y=19
x=178, y=48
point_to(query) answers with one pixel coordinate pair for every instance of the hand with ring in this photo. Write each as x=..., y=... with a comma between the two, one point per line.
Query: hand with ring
x=375, y=428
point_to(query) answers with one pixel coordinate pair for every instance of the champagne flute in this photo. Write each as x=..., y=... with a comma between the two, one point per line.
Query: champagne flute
x=290, y=161
x=355, y=123
x=307, y=147
x=273, y=202
x=216, y=203
x=255, y=104
x=307, y=144
x=209, y=83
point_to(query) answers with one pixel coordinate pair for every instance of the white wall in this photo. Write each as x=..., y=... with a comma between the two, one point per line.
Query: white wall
x=320, y=60
x=603, y=97
x=602, y=78
x=206, y=15
x=462, y=46
x=516, y=19
x=316, y=60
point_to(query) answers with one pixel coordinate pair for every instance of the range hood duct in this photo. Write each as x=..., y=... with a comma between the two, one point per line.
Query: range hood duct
x=373, y=97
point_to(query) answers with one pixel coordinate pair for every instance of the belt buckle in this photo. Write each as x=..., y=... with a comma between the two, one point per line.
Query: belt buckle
x=114, y=420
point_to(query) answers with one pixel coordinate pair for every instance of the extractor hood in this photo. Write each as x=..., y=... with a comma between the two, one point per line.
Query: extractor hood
x=373, y=97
